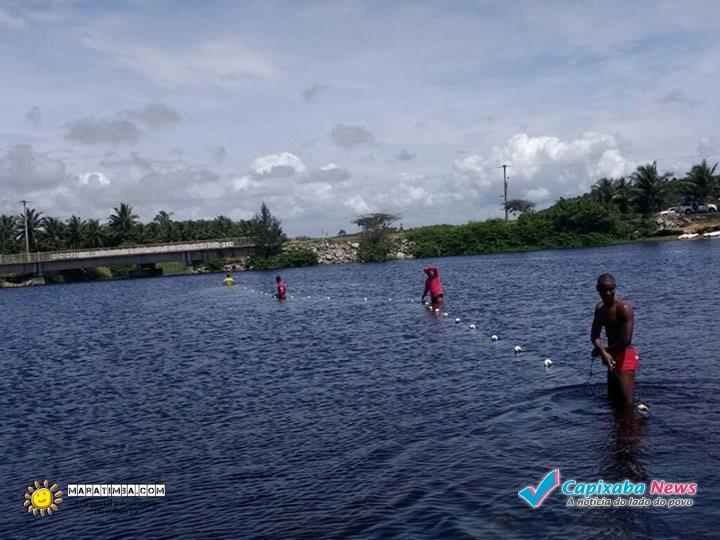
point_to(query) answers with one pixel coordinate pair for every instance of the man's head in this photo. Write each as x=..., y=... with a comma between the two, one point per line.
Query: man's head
x=606, y=288
x=228, y=275
x=278, y=279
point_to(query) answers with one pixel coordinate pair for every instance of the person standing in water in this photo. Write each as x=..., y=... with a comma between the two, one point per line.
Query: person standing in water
x=281, y=288
x=621, y=358
x=229, y=280
x=432, y=285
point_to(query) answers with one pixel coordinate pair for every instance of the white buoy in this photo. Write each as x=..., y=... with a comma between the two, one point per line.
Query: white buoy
x=308, y=297
x=517, y=349
x=472, y=327
x=389, y=299
x=366, y=299
x=548, y=362
x=445, y=314
x=642, y=409
x=457, y=320
x=291, y=296
x=437, y=310
x=493, y=338
x=327, y=297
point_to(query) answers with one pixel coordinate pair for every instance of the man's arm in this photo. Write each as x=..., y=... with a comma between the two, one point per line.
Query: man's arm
x=427, y=288
x=628, y=326
x=597, y=342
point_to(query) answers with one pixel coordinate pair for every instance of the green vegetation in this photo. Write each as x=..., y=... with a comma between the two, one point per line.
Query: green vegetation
x=122, y=228
x=174, y=267
x=267, y=233
x=287, y=259
x=616, y=210
x=375, y=240
x=579, y=222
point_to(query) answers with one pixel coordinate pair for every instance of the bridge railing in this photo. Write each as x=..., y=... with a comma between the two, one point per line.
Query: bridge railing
x=146, y=249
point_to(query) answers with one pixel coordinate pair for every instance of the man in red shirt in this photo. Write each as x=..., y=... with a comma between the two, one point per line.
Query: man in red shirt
x=281, y=288
x=432, y=285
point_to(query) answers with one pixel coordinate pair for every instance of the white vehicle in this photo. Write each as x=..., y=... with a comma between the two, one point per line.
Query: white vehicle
x=671, y=210
x=696, y=208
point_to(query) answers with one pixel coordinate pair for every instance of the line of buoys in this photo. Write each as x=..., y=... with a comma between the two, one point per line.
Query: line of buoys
x=517, y=349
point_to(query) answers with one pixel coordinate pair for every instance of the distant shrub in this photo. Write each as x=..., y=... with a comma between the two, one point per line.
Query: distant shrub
x=102, y=272
x=214, y=264
x=287, y=259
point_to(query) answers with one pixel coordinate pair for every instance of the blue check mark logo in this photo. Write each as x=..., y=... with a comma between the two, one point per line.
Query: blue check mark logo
x=535, y=496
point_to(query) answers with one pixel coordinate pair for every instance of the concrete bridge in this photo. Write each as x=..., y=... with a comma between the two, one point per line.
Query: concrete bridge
x=190, y=253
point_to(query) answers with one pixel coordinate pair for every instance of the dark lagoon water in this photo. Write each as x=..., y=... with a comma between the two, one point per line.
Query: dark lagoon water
x=339, y=417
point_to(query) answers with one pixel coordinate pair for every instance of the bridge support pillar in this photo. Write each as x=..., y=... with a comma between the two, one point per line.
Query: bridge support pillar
x=38, y=278
x=190, y=266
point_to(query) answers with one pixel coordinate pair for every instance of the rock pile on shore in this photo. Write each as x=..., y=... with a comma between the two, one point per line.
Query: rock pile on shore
x=341, y=251
x=10, y=285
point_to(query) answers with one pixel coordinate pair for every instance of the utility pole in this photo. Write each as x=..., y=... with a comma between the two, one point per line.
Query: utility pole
x=504, y=167
x=27, y=238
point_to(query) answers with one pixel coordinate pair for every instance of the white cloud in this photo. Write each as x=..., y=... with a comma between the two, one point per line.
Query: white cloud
x=561, y=167
x=330, y=173
x=224, y=63
x=277, y=165
x=357, y=204
x=537, y=195
x=93, y=178
x=23, y=170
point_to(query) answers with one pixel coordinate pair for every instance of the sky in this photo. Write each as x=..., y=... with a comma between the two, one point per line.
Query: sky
x=327, y=110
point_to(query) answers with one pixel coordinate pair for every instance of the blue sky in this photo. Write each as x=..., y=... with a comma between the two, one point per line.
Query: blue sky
x=329, y=109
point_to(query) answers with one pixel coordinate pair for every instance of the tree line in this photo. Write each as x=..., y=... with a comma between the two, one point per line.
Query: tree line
x=123, y=228
x=647, y=190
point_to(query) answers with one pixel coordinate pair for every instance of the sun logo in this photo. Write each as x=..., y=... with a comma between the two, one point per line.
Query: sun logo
x=42, y=499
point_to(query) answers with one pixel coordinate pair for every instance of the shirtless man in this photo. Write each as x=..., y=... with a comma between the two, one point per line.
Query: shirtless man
x=617, y=317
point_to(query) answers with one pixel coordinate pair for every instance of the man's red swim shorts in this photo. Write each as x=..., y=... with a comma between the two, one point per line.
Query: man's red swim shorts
x=626, y=360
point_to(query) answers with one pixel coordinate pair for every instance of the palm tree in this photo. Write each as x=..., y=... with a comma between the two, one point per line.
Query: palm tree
x=32, y=219
x=701, y=182
x=122, y=222
x=651, y=187
x=53, y=234
x=223, y=227
x=94, y=234
x=622, y=194
x=8, y=234
x=603, y=191
x=75, y=232
x=165, y=225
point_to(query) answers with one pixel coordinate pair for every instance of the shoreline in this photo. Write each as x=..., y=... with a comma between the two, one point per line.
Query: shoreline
x=239, y=269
